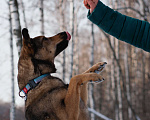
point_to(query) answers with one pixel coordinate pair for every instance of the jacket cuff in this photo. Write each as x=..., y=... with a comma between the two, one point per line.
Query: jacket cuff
x=98, y=14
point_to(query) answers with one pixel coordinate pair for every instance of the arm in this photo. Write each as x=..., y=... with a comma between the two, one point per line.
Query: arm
x=130, y=30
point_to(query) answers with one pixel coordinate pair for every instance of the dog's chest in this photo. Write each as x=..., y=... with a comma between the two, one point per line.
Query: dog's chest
x=49, y=87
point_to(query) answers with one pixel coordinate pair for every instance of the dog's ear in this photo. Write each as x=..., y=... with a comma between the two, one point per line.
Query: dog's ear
x=26, y=37
x=27, y=41
x=25, y=34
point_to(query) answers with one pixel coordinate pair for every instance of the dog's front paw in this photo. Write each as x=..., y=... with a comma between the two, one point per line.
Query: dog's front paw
x=98, y=68
x=98, y=81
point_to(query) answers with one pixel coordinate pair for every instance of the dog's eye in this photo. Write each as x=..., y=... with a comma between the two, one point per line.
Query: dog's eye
x=44, y=38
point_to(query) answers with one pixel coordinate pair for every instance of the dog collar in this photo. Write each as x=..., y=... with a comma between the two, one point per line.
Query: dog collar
x=31, y=84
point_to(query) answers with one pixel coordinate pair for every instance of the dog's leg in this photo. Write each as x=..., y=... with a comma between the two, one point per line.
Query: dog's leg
x=97, y=68
x=72, y=99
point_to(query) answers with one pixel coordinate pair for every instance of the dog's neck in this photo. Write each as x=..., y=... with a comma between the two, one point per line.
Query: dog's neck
x=30, y=68
x=43, y=66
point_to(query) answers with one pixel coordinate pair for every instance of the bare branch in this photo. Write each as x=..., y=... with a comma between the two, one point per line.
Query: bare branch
x=121, y=75
x=98, y=114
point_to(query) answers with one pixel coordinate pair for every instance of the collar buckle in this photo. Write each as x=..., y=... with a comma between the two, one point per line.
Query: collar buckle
x=22, y=95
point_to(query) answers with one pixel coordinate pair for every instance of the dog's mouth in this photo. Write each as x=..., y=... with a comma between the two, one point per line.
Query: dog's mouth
x=63, y=44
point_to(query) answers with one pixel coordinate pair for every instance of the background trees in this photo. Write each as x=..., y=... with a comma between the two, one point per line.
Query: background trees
x=125, y=92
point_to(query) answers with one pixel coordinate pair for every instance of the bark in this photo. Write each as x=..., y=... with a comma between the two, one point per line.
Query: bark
x=64, y=66
x=12, y=109
x=76, y=44
x=126, y=65
x=144, y=84
x=16, y=24
x=62, y=28
x=145, y=11
x=113, y=70
x=24, y=15
x=118, y=84
x=91, y=86
x=42, y=16
x=72, y=34
x=114, y=83
x=127, y=77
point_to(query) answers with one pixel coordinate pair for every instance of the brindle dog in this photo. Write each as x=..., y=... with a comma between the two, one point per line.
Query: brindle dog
x=52, y=99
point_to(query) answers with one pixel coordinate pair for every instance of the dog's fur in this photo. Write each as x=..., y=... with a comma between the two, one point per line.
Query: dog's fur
x=52, y=99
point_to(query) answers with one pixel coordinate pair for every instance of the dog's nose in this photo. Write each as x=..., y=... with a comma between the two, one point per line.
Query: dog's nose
x=68, y=36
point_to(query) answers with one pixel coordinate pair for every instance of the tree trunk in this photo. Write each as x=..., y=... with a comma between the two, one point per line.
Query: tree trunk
x=113, y=82
x=16, y=24
x=42, y=16
x=144, y=84
x=118, y=84
x=12, y=109
x=76, y=44
x=24, y=15
x=126, y=65
x=91, y=86
x=146, y=11
x=113, y=68
x=72, y=34
x=127, y=77
x=62, y=28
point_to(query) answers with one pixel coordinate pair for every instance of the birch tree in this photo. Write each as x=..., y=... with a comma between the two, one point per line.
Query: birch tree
x=114, y=82
x=117, y=3
x=127, y=77
x=72, y=34
x=118, y=94
x=16, y=27
x=126, y=65
x=145, y=11
x=42, y=16
x=91, y=86
x=62, y=28
x=76, y=39
x=24, y=15
x=12, y=109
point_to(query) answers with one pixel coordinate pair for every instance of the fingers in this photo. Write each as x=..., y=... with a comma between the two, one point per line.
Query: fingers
x=90, y=4
x=86, y=4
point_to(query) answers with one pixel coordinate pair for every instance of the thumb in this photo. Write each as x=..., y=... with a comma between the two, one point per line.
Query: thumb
x=86, y=4
x=92, y=5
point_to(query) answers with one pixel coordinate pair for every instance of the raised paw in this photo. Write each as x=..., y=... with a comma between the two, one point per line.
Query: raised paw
x=97, y=79
x=98, y=68
x=87, y=77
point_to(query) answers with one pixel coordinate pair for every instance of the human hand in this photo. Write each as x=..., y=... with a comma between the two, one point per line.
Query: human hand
x=90, y=4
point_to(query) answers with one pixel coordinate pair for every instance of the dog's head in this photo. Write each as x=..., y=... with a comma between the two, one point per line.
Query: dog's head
x=45, y=48
x=38, y=54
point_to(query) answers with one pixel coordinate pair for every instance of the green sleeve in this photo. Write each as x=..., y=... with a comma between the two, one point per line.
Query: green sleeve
x=130, y=30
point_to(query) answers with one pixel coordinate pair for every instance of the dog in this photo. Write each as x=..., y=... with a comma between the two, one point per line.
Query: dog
x=48, y=97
